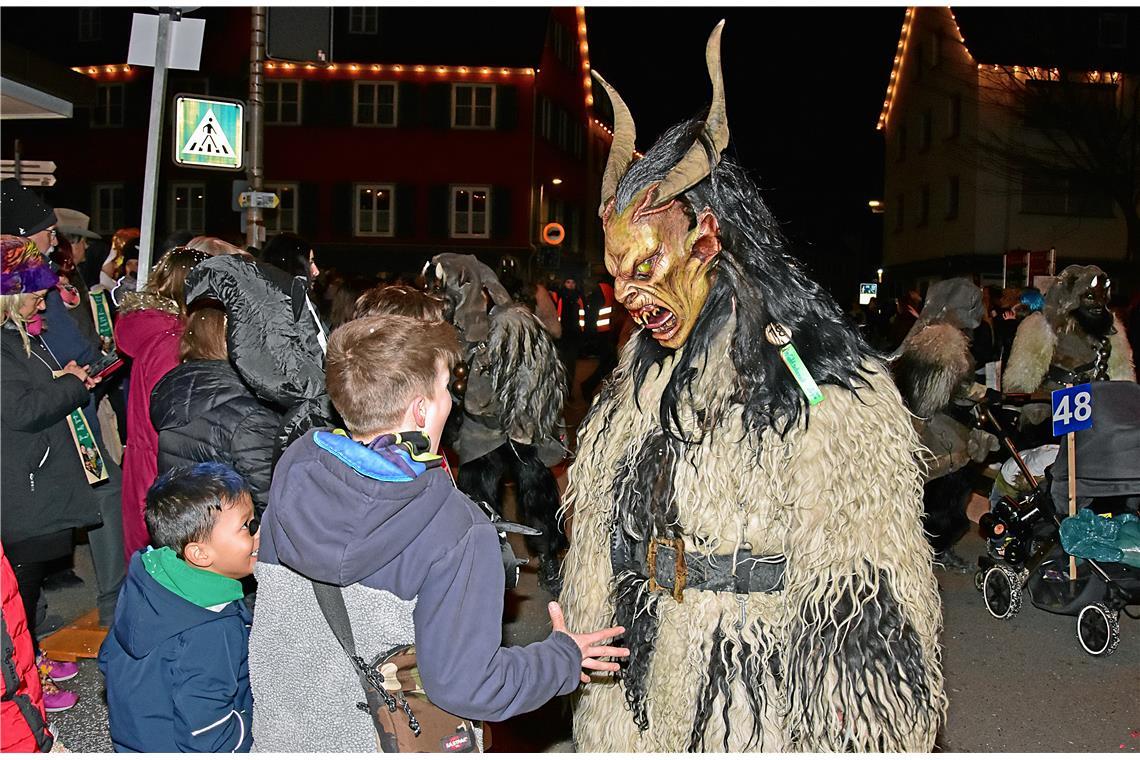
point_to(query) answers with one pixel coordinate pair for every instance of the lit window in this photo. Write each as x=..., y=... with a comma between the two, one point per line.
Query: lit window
x=90, y=25
x=109, y=105
x=188, y=207
x=375, y=211
x=107, y=208
x=282, y=101
x=374, y=104
x=363, y=20
x=473, y=106
x=284, y=217
x=470, y=211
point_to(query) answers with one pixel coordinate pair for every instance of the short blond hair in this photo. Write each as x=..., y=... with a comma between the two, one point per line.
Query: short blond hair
x=401, y=300
x=375, y=366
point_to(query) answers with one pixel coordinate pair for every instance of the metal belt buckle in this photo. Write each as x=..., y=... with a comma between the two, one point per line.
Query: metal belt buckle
x=680, y=570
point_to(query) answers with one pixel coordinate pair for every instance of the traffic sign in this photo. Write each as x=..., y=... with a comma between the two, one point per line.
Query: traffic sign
x=209, y=133
x=1072, y=409
x=31, y=180
x=259, y=200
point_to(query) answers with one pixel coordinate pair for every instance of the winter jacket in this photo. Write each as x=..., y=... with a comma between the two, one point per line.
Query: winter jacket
x=177, y=674
x=203, y=412
x=150, y=337
x=273, y=341
x=419, y=562
x=23, y=722
x=68, y=343
x=42, y=486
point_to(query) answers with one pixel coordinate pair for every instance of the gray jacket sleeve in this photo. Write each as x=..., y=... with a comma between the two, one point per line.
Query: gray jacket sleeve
x=458, y=622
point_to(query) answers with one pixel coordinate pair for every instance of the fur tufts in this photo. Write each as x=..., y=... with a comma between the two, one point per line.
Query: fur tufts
x=526, y=376
x=933, y=362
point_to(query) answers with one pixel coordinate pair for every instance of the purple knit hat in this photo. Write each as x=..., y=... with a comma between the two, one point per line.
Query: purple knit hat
x=25, y=270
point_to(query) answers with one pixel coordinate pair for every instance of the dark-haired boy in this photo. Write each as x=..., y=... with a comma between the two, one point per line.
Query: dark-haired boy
x=176, y=659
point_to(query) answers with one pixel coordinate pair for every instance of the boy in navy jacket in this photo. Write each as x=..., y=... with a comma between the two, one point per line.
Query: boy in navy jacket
x=176, y=660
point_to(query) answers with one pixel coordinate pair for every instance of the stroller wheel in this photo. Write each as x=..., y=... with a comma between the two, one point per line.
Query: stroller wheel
x=1098, y=629
x=1001, y=589
x=979, y=579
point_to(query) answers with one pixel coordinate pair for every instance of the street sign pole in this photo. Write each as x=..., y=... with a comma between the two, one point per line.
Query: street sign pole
x=255, y=227
x=153, y=144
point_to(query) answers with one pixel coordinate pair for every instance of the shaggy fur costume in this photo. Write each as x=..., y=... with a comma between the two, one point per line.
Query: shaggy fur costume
x=845, y=657
x=1034, y=346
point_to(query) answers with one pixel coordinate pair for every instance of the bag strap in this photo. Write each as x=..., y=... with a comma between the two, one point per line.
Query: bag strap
x=331, y=601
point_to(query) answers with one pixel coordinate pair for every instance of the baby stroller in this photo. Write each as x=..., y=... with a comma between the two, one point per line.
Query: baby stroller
x=1025, y=552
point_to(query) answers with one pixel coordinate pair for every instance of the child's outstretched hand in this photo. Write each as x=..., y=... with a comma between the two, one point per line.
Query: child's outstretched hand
x=587, y=643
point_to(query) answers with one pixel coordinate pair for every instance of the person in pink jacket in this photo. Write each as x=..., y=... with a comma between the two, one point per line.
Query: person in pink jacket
x=148, y=330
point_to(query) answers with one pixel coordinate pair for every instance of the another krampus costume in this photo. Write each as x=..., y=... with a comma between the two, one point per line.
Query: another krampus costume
x=511, y=413
x=1074, y=339
x=935, y=374
x=765, y=555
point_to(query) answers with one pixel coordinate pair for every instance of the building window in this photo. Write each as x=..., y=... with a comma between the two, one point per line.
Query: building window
x=107, y=208
x=90, y=25
x=924, y=130
x=563, y=44
x=1113, y=31
x=473, y=106
x=954, y=116
x=952, y=189
x=935, y=49
x=109, y=105
x=470, y=211
x=375, y=211
x=919, y=57
x=188, y=207
x=900, y=144
x=924, y=206
x=1065, y=196
x=284, y=217
x=546, y=119
x=900, y=217
x=282, y=101
x=563, y=137
x=363, y=20
x=374, y=104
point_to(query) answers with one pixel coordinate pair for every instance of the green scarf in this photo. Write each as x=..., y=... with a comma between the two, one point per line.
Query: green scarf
x=200, y=587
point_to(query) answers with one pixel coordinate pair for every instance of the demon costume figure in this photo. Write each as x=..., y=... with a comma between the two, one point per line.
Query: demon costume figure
x=764, y=552
x=1074, y=339
x=935, y=374
x=508, y=422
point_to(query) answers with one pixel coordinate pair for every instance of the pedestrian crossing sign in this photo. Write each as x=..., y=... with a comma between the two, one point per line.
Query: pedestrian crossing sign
x=208, y=132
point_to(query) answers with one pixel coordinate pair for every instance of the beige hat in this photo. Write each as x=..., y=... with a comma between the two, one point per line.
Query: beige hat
x=72, y=222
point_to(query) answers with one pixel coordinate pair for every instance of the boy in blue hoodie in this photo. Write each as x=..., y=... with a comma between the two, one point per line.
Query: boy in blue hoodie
x=176, y=661
x=372, y=510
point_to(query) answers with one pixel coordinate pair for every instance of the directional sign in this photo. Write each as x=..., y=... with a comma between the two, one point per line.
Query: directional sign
x=259, y=200
x=1072, y=409
x=32, y=173
x=209, y=133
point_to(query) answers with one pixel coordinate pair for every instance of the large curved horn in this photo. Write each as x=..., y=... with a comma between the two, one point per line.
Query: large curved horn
x=622, y=147
x=695, y=165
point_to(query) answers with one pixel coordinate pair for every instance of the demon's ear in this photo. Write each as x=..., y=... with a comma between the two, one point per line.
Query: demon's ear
x=706, y=244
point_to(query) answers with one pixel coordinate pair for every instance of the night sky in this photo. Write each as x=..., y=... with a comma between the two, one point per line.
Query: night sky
x=804, y=87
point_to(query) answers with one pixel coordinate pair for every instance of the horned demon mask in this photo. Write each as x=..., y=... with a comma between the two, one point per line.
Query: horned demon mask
x=1081, y=293
x=661, y=251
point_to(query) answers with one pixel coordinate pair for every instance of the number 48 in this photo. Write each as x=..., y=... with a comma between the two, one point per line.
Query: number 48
x=1081, y=411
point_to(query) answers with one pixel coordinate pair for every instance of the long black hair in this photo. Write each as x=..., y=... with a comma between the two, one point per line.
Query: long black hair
x=758, y=281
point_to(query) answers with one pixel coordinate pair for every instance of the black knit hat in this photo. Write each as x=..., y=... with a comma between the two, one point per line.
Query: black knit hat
x=22, y=212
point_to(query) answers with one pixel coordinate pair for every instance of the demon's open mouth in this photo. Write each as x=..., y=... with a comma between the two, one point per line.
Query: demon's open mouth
x=658, y=320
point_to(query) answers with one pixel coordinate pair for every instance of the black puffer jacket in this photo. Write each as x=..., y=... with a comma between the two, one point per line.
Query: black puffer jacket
x=203, y=412
x=43, y=487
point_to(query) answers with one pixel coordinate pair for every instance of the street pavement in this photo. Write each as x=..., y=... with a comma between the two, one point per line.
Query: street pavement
x=1019, y=685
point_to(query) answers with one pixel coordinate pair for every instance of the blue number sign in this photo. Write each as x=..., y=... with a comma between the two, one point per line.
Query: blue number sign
x=1072, y=409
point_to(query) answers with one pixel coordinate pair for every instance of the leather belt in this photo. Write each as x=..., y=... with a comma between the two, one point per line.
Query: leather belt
x=674, y=569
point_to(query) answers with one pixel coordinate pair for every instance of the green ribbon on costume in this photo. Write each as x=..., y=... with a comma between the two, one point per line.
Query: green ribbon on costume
x=800, y=372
